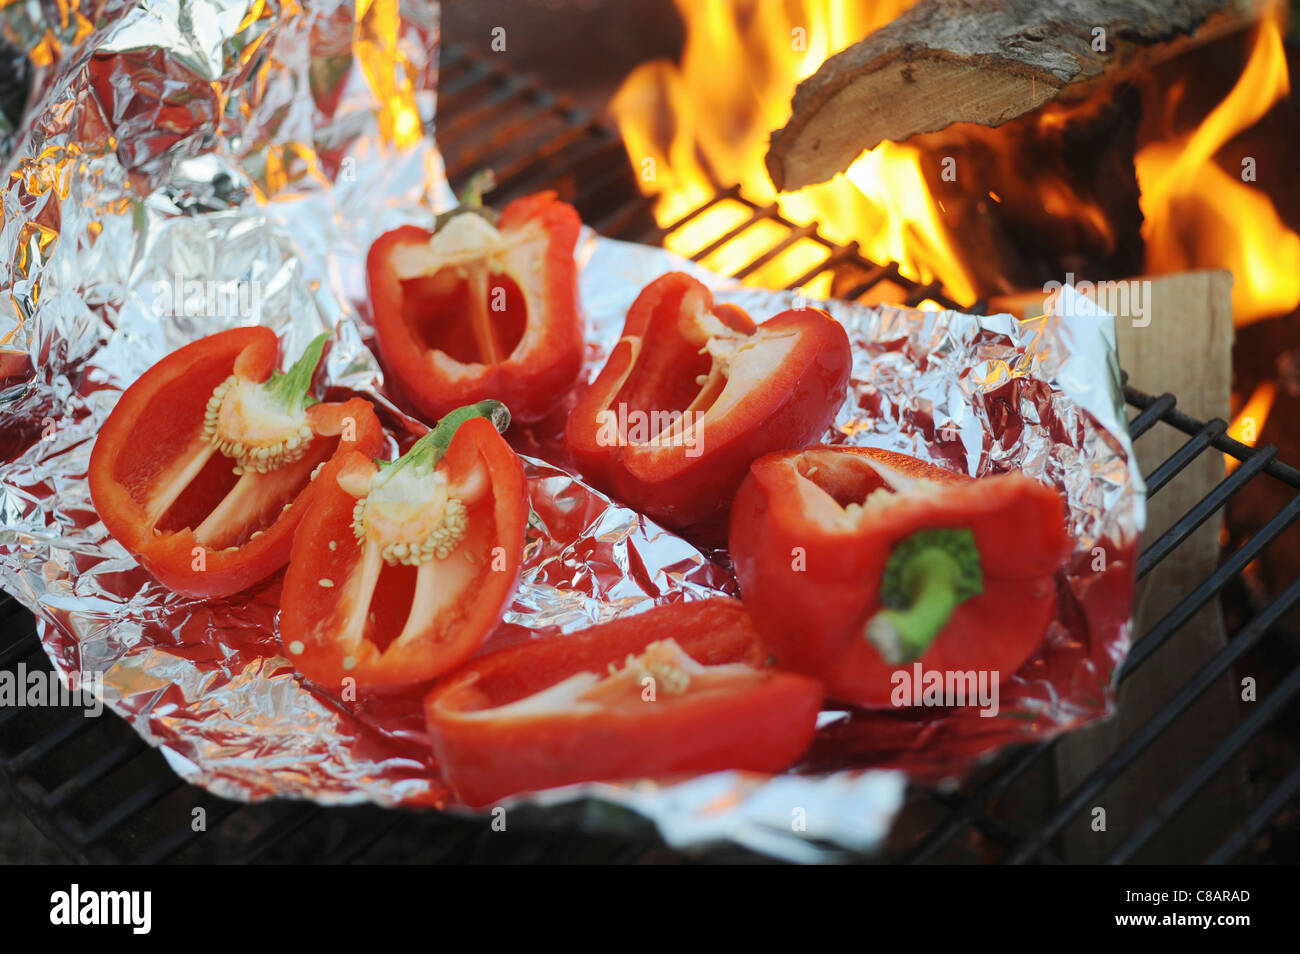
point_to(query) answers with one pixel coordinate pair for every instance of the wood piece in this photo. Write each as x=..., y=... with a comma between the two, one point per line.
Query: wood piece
x=1186, y=350
x=981, y=61
x=1077, y=212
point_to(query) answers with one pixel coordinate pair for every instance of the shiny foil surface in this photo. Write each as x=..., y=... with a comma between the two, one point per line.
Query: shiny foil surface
x=269, y=144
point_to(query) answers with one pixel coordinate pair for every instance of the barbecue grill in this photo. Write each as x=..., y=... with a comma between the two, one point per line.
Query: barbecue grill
x=103, y=795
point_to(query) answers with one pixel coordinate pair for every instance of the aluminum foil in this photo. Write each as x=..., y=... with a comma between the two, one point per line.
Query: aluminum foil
x=267, y=144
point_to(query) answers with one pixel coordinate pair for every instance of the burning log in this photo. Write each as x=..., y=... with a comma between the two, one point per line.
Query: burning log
x=981, y=61
x=1048, y=194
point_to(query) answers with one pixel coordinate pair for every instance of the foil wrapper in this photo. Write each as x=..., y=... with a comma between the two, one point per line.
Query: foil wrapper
x=171, y=148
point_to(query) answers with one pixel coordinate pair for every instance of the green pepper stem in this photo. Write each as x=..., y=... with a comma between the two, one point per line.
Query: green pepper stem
x=903, y=635
x=471, y=200
x=291, y=389
x=927, y=577
x=429, y=449
x=471, y=197
x=442, y=433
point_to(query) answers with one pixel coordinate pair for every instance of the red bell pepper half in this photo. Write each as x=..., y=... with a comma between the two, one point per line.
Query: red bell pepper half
x=680, y=688
x=693, y=392
x=856, y=563
x=475, y=310
x=205, y=466
x=403, y=568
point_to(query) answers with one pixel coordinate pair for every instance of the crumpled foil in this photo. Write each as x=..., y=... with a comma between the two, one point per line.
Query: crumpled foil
x=269, y=144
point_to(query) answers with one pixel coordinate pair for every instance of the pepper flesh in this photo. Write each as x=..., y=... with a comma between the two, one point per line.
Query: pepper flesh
x=198, y=519
x=681, y=688
x=405, y=567
x=812, y=535
x=722, y=391
x=480, y=311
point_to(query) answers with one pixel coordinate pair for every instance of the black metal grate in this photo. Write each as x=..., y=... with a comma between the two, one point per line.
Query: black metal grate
x=101, y=794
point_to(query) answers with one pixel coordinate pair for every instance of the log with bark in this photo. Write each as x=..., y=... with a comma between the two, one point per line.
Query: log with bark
x=982, y=61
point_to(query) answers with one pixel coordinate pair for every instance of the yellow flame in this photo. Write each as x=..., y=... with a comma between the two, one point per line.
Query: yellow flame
x=1198, y=215
x=1249, y=422
x=705, y=123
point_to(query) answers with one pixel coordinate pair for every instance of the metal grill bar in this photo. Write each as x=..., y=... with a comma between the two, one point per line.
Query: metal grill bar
x=1189, y=425
x=1180, y=531
x=509, y=94
x=1183, y=456
x=720, y=196
x=277, y=834
x=726, y=238
x=1258, y=820
x=1138, y=743
x=1207, y=590
x=355, y=848
x=1151, y=416
x=1265, y=713
x=218, y=811
x=837, y=258
x=24, y=646
x=94, y=772
x=993, y=828
x=9, y=715
x=50, y=741
x=156, y=789
x=838, y=255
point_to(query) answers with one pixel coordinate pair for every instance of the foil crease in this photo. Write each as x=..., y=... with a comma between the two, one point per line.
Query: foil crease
x=268, y=144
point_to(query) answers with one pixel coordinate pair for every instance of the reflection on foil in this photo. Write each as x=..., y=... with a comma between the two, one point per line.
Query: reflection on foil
x=261, y=147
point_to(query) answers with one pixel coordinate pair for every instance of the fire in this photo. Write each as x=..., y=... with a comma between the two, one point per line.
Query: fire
x=1249, y=422
x=740, y=65
x=693, y=127
x=1198, y=215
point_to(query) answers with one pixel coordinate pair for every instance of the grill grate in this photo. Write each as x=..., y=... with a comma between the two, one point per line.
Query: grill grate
x=101, y=794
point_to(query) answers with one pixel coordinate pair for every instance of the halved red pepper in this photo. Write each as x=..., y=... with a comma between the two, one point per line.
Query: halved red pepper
x=403, y=568
x=475, y=310
x=205, y=466
x=681, y=688
x=858, y=563
x=693, y=392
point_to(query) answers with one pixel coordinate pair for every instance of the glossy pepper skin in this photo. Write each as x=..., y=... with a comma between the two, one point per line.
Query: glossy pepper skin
x=549, y=712
x=748, y=390
x=812, y=560
x=479, y=311
x=197, y=520
x=402, y=569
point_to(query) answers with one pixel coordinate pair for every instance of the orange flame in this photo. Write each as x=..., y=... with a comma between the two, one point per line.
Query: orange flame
x=740, y=65
x=1198, y=215
x=1249, y=422
x=691, y=128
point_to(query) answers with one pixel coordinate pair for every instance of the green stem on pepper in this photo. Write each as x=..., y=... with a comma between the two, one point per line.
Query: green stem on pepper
x=291, y=389
x=928, y=575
